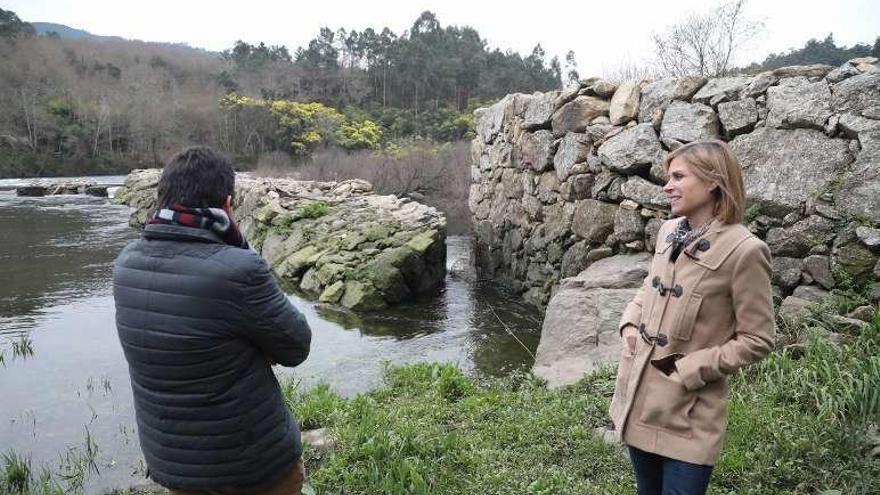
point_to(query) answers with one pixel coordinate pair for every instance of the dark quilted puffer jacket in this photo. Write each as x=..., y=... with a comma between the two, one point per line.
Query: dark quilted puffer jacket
x=200, y=323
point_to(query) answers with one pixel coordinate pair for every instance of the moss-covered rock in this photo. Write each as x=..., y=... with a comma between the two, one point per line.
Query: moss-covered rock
x=316, y=235
x=296, y=263
x=333, y=293
x=362, y=296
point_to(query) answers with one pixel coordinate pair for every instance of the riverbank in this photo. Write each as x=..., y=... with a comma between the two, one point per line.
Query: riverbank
x=56, y=260
x=803, y=421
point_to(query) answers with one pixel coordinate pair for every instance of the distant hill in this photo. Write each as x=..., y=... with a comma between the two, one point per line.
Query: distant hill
x=67, y=32
x=45, y=28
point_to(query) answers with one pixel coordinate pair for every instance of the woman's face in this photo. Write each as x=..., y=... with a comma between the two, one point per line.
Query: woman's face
x=688, y=195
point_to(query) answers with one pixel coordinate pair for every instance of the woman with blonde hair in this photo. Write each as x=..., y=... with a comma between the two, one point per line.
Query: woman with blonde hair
x=704, y=311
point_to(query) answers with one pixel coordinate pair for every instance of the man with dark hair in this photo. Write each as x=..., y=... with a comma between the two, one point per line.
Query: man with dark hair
x=201, y=320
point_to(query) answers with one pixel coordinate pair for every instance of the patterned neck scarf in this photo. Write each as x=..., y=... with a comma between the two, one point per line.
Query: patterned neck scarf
x=214, y=219
x=684, y=235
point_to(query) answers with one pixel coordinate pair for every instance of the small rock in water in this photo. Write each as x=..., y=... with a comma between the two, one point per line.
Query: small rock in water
x=98, y=191
x=31, y=190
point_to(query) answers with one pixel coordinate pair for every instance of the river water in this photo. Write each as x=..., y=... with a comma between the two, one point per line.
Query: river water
x=73, y=395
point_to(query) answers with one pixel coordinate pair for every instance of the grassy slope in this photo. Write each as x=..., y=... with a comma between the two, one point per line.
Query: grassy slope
x=802, y=421
x=798, y=424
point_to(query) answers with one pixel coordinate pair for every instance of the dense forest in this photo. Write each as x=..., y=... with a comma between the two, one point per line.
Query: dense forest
x=86, y=105
x=817, y=52
x=74, y=106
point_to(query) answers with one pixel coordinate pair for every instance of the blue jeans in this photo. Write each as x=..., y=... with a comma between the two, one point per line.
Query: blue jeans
x=658, y=475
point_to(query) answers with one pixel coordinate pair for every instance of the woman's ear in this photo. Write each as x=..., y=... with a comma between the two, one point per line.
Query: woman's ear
x=227, y=206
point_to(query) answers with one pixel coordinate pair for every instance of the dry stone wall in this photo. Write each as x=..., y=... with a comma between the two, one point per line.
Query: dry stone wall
x=566, y=178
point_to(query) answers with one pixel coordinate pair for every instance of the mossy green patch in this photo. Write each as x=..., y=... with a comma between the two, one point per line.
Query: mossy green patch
x=362, y=296
x=333, y=293
x=315, y=209
x=380, y=232
x=422, y=241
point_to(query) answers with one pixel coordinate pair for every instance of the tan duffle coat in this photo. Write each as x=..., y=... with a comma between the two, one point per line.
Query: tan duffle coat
x=714, y=306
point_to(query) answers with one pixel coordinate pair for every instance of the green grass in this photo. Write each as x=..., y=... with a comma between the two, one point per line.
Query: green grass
x=316, y=209
x=798, y=424
x=802, y=422
x=431, y=429
x=17, y=477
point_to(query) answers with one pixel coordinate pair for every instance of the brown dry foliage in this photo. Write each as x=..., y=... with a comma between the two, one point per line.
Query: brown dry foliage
x=434, y=174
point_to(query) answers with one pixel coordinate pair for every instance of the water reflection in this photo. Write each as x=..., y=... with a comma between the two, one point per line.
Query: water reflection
x=54, y=250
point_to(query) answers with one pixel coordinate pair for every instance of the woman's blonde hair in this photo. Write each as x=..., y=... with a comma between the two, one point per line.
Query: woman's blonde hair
x=714, y=162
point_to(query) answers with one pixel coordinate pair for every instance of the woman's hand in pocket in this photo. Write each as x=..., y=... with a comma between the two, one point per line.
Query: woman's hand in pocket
x=630, y=337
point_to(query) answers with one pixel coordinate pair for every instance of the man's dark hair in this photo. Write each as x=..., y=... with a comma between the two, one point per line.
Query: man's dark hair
x=198, y=177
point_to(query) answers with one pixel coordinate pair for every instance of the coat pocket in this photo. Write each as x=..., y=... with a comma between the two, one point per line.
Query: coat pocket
x=684, y=327
x=667, y=403
x=620, y=399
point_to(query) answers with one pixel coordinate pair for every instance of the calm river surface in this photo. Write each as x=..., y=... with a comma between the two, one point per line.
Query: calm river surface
x=56, y=257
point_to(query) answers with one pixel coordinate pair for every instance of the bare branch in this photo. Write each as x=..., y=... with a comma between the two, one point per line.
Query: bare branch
x=705, y=44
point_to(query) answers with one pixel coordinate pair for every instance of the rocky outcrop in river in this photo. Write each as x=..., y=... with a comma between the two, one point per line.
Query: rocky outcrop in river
x=69, y=187
x=335, y=241
x=567, y=178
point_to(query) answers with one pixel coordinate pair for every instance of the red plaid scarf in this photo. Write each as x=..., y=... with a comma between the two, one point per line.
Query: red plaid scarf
x=213, y=219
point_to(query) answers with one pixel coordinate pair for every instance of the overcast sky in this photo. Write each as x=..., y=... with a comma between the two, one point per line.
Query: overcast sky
x=603, y=34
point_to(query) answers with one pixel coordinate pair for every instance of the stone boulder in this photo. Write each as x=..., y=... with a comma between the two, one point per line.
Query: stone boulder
x=797, y=240
x=573, y=149
x=786, y=272
x=794, y=308
x=759, y=84
x=853, y=67
x=58, y=188
x=575, y=115
x=721, y=89
x=815, y=71
x=738, y=117
x=783, y=168
x=859, y=95
x=797, y=102
x=859, y=193
x=625, y=103
x=687, y=122
x=96, y=190
x=602, y=88
x=335, y=241
x=30, y=190
x=817, y=268
x=489, y=121
x=631, y=151
x=593, y=220
x=870, y=237
x=534, y=150
x=854, y=258
x=644, y=193
x=139, y=192
x=657, y=95
x=580, y=329
x=797, y=305
x=537, y=109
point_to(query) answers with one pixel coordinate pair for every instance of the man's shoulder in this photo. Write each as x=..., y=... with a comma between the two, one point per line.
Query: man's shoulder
x=241, y=260
x=221, y=261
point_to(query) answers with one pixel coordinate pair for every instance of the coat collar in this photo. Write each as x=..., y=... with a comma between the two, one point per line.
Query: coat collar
x=712, y=248
x=717, y=244
x=168, y=232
